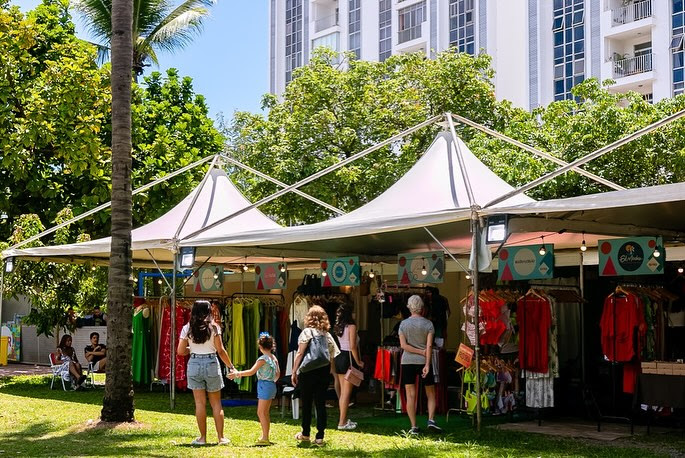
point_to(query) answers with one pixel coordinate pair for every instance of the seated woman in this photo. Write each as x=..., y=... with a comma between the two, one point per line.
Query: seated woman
x=71, y=369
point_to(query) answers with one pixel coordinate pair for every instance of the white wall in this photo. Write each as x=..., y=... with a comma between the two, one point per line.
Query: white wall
x=508, y=45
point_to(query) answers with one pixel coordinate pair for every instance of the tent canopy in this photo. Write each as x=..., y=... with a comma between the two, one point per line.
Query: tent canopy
x=217, y=198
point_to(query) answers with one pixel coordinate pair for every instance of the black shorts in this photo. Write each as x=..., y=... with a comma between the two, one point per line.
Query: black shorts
x=411, y=371
x=342, y=362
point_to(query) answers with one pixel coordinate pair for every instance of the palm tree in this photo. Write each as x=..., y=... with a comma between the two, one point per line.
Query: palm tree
x=117, y=404
x=157, y=25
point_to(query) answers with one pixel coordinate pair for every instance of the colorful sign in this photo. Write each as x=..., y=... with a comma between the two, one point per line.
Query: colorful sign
x=526, y=262
x=340, y=272
x=271, y=276
x=12, y=330
x=414, y=268
x=631, y=256
x=464, y=355
x=209, y=278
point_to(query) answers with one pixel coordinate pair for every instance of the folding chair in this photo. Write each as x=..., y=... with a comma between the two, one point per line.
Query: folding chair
x=90, y=377
x=55, y=368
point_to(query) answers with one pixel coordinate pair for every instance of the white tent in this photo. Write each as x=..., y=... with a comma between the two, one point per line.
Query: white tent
x=216, y=198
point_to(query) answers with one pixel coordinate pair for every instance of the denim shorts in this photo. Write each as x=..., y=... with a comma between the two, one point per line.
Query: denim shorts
x=204, y=373
x=266, y=390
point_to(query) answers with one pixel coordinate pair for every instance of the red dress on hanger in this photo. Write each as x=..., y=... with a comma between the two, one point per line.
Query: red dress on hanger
x=182, y=317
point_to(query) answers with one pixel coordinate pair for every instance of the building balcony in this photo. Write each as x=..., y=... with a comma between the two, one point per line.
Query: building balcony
x=632, y=66
x=632, y=12
x=326, y=22
x=412, y=39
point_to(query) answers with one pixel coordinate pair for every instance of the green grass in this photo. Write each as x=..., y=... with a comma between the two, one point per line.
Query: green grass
x=35, y=420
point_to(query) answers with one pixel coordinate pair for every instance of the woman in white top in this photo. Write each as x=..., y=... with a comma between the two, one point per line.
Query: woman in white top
x=202, y=339
x=346, y=330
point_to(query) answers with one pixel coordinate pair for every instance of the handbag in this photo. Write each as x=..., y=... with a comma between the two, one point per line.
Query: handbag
x=354, y=375
x=317, y=355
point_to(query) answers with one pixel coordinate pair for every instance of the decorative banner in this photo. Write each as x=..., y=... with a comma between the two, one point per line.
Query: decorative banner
x=631, y=256
x=269, y=276
x=340, y=272
x=209, y=278
x=525, y=262
x=12, y=330
x=411, y=267
x=464, y=355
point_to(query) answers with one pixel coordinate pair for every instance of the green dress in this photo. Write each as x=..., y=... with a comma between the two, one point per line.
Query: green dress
x=142, y=348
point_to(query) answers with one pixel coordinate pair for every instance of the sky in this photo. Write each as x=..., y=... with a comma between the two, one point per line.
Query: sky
x=228, y=61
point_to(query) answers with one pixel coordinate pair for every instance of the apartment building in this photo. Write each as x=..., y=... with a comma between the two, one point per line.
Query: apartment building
x=540, y=48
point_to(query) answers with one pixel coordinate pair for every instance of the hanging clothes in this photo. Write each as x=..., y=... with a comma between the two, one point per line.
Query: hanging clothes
x=535, y=319
x=620, y=320
x=182, y=317
x=142, y=357
x=237, y=343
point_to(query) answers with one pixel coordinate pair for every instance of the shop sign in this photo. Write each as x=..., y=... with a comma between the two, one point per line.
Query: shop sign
x=526, y=262
x=340, y=272
x=12, y=330
x=271, y=276
x=415, y=268
x=464, y=355
x=209, y=278
x=631, y=256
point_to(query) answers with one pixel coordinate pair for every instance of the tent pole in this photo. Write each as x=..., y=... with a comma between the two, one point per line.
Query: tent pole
x=160, y=269
x=446, y=250
x=281, y=184
x=536, y=152
x=108, y=204
x=594, y=155
x=172, y=386
x=462, y=165
x=474, y=247
x=319, y=174
x=582, y=318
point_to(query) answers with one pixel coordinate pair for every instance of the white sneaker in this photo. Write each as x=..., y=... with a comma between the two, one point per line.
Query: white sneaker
x=349, y=426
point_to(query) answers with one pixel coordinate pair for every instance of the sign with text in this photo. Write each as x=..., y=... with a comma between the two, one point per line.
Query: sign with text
x=271, y=276
x=415, y=268
x=340, y=272
x=209, y=278
x=631, y=256
x=525, y=262
x=464, y=355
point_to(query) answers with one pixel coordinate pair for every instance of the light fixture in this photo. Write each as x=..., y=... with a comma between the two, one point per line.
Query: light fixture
x=245, y=267
x=423, y=268
x=681, y=270
x=9, y=265
x=282, y=267
x=93, y=267
x=324, y=273
x=187, y=256
x=468, y=276
x=543, y=250
x=656, y=253
x=159, y=282
x=216, y=273
x=496, y=232
x=371, y=274
x=583, y=246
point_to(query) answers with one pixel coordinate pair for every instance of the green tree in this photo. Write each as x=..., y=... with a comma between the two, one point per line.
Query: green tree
x=157, y=25
x=117, y=404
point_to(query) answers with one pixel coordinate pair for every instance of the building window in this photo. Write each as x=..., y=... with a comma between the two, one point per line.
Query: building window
x=678, y=29
x=355, y=27
x=649, y=98
x=410, y=20
x=293, y=37
x=462, y=28
x=384, y=29
x=330, y=41
x=569, y=46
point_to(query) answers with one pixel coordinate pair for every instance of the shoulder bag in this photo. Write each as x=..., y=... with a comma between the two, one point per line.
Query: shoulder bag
x=317, y=355
x=354, y=375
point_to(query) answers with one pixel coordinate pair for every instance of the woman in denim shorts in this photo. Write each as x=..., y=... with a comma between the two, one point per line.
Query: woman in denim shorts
x=202, y=339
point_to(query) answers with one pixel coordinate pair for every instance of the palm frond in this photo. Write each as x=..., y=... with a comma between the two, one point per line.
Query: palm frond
x=99, y=15
x=179, y=27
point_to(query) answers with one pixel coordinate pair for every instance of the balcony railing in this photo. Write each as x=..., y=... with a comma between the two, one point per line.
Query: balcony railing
x=633, y=12
x=633, y=65
x=326, y=22
x=409, y=34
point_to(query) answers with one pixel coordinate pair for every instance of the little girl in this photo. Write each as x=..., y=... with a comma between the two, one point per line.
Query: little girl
x=267, y=370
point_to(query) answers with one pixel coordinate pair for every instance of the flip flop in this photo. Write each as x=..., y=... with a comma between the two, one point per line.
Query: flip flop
x=319, y=442
x=198, y=442
x=301, y=438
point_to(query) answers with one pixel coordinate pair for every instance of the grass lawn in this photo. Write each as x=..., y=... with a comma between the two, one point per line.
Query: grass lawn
x=35, y=420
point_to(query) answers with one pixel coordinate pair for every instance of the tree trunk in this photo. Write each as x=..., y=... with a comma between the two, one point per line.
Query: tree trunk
x=118, y=401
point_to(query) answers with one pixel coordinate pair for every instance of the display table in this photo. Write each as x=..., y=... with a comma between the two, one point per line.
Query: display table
x=660, y=390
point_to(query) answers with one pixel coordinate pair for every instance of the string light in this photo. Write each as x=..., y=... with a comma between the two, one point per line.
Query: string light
x=468, y=276
x=657, y=253
x=423, y=268
x=159, y=281
x=245, y=267
x=681, y=270
x=371, y=274
x=543, y=250
x=324, y=273
x=216, y=273
x=583, y=246
x=93, y=267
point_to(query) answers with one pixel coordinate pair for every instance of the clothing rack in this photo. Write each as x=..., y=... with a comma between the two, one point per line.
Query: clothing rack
x=257, y=296
x=382, y=407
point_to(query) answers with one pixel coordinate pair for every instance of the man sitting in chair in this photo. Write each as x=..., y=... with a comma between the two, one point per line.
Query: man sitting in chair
x=96, y=353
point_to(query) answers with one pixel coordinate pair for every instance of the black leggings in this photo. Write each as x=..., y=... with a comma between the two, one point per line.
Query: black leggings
x=313, y=388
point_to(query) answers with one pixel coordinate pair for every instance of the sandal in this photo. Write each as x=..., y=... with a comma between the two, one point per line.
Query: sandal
x=300, y=437
x=198, y=442
x=224, y=441
x=319, y=442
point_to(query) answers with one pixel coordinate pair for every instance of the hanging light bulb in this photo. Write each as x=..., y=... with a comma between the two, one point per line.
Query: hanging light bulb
x=216, y=273
x=656, y=253
x=282, y=267
x=583, y=246
x=543, y=250
x=681, y=270
x=93, y=267
x=423, y=270
x=245, y=267
x=159, y=281
x=468, y=276
x=371, y=274
x=324, y=273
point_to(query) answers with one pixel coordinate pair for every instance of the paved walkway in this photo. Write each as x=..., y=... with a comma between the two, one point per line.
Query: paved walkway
x=23, y=369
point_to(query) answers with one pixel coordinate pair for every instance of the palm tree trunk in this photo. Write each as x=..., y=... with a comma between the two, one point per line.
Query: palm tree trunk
x=118, y=401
